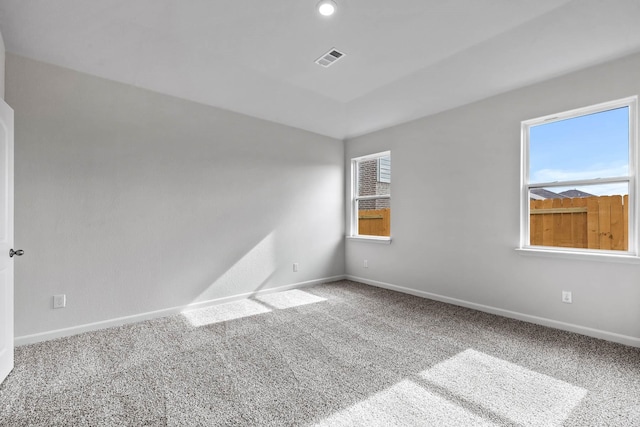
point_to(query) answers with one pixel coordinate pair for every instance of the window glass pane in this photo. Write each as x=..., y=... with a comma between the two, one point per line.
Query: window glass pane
x=370, y=181
x=587, y=216
x=384, y=169
x=586, y=147
x=374, y=217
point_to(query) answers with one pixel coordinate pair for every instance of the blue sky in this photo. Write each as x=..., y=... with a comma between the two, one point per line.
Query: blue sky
x=591, y=146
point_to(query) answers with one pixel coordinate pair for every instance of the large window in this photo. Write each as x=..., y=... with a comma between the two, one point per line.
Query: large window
x=371, y=196
x=579, y=186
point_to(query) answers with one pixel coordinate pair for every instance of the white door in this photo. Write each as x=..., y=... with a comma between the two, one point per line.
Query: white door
x=6, y=240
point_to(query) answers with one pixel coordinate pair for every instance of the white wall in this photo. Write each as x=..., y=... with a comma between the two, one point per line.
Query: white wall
x=455, y=213
x=128, y=201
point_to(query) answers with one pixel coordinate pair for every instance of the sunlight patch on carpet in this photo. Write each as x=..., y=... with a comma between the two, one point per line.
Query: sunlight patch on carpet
x=506, y=389
x=250, y=307
x=223, y=312
x=405, y=403
x=289, y=299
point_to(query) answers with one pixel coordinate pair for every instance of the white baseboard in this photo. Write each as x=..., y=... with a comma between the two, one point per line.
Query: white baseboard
x=596, y=333
x=58, y=333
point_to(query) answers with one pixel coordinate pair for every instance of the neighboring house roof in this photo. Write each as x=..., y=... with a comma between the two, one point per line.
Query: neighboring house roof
x=575, y=193
x=541, y=194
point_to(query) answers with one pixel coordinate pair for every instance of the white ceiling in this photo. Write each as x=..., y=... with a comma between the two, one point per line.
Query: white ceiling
x=404, y=58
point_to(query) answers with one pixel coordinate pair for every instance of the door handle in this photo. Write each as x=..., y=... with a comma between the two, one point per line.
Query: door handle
x=19, y=252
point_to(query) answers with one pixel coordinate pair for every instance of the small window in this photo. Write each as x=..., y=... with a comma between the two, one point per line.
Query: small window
x=371, y=196
x=579, y=183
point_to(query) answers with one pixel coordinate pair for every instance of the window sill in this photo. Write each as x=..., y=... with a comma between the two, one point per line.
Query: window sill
x=582, y=256
x=371, y=239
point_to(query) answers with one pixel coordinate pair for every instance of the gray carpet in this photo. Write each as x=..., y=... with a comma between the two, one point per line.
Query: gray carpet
x=338, y=354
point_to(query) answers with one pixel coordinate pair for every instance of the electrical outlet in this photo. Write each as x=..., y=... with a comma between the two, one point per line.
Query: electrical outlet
x=366, y=263
x=59, y=301
x=295, y=267
x=566, y=297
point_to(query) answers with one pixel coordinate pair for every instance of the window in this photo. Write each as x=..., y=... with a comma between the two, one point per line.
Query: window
x=579, y=185
x=371, y=196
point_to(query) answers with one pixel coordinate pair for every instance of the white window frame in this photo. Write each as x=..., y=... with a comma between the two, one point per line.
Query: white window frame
x=631, y=179
x=355, y=198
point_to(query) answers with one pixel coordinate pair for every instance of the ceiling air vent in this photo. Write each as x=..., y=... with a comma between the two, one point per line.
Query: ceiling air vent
x=329, y=58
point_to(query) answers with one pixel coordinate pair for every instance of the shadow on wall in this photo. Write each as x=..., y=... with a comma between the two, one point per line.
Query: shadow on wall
x=246, y=278
x=248, y=275
x=244, y=248
x=2, y=60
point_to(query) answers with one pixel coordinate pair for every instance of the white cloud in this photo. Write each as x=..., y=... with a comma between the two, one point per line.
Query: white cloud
x=552, y=175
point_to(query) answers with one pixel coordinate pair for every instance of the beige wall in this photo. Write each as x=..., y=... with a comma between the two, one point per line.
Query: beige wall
x=456, y=211
x=129, y=201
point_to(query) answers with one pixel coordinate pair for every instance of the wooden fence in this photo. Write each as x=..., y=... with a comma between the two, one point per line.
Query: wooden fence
x=374, y=222
x=589, y=222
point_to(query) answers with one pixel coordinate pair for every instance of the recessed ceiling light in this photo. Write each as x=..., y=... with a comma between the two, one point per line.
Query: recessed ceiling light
x=327, y=7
